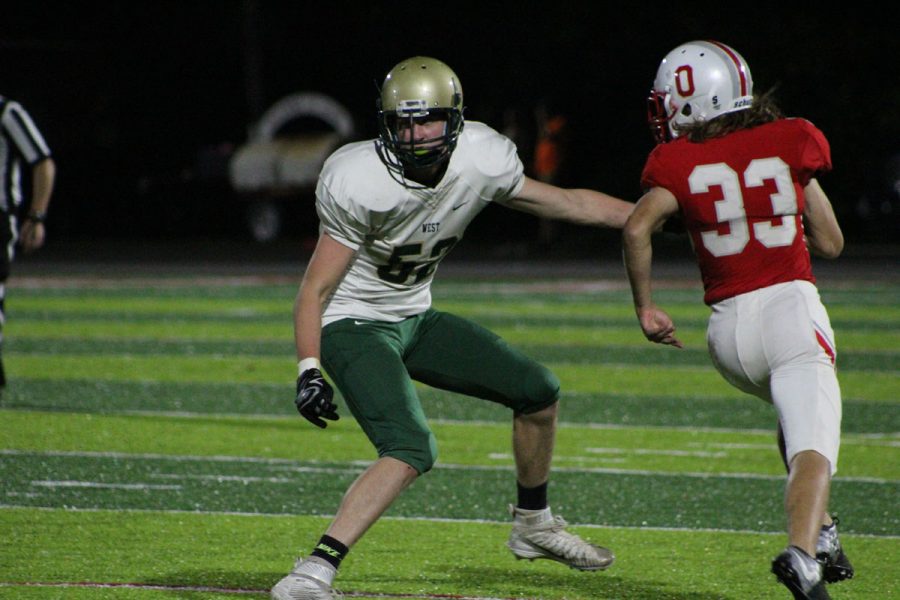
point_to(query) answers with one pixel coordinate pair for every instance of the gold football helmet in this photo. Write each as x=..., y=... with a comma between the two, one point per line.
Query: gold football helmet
x=419, y=88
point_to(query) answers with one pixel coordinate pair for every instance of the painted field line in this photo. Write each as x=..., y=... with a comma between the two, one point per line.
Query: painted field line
x=96, y=484
x=657, y=452
x=89, y=283
x=474, y=423
x=137, y=586
x=354, y=466
x=223, y=590
x=447, y=520
x=249, y=479
x=174, y=457
x=890, y=437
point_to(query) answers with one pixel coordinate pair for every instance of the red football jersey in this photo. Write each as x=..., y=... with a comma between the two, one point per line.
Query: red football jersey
x=741, y=197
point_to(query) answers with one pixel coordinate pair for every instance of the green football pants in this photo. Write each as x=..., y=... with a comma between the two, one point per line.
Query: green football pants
x=374, y=363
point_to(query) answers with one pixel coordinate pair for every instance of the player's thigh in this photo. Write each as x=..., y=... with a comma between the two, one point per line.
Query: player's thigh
x=807, y=397
x=365, y=362
x=804, y=385
x=455, y=354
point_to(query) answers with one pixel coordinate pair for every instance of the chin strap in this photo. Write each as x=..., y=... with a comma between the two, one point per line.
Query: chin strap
x=396, y=168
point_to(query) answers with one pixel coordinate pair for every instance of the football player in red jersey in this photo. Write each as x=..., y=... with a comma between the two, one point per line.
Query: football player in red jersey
x=742, y=179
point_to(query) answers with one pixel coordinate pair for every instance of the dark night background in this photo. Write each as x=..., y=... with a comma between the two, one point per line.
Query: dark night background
x=138, y=99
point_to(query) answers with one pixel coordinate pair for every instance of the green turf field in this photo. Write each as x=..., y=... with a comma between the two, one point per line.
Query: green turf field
x=149, y=449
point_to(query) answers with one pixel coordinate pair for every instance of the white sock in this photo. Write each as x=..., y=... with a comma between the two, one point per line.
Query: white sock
x=533, y=517
x=317, y=569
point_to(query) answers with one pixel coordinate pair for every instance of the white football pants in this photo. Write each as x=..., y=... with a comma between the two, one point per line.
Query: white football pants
x=776, y=343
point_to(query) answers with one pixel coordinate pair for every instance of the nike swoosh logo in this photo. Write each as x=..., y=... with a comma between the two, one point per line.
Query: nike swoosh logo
x=460, y=205
x=360, y=322
x=809, y=570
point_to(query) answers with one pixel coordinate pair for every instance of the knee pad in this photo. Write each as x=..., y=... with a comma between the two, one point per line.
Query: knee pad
x=417, y=450
x=540, y=389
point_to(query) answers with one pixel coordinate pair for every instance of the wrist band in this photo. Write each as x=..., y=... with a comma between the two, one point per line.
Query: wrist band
x=308, y=363
x=36, y=217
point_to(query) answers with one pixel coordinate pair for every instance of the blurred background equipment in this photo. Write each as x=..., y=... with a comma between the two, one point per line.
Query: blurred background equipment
x=139, y=163
x=283, y=155
x=878, y=208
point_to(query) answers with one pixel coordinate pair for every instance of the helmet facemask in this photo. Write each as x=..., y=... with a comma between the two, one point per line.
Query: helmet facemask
x=418, y=154
x=658, y=117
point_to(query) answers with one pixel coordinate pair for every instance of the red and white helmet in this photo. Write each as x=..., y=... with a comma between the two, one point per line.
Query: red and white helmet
x=697, y=82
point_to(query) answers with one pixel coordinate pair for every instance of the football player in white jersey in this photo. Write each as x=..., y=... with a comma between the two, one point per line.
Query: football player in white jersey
x=390, y=209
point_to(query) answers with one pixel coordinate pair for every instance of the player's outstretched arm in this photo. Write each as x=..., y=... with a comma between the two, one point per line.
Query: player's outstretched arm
x=581, y=206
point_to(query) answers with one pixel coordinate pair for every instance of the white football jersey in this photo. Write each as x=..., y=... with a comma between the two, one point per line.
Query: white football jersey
x=401, y=233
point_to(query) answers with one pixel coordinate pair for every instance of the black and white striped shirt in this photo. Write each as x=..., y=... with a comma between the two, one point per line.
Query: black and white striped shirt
x=20, y=141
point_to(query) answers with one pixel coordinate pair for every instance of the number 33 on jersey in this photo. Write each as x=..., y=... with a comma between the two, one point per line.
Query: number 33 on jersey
x=743, y=213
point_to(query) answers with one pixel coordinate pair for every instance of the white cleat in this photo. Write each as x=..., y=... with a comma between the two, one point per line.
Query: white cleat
x=539, y=534
x=309, y=580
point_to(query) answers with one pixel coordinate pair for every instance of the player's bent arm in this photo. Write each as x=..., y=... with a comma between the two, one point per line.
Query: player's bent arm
x=329, y=262
x=580, y=206
x=822, y=230
x=32, y=233
x=652, y=210
x=649, y=214
x=43, y=177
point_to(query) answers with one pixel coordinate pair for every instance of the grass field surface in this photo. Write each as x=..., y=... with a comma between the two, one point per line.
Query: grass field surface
x=150, y=449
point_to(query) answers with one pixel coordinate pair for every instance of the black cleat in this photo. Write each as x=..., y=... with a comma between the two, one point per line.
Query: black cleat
x=835, y=564
x=801, y=574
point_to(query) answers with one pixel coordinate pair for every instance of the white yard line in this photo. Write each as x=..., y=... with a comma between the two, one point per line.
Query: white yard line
x=95, y=484
x=329, y=517
x=356, y=465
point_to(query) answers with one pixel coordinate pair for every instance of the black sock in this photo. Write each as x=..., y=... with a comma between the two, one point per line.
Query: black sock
x=330, y=550
x=532, y=498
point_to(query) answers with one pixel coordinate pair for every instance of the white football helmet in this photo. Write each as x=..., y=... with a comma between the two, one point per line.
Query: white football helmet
x=697, y=82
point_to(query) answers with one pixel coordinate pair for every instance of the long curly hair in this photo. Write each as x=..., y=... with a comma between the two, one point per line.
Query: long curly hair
x=763, y=110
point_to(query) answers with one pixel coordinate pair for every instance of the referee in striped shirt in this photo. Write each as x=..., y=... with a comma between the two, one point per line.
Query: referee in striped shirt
x=21, y=146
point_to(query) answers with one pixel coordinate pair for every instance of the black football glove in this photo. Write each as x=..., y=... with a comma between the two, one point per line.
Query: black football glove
x=314, y=398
